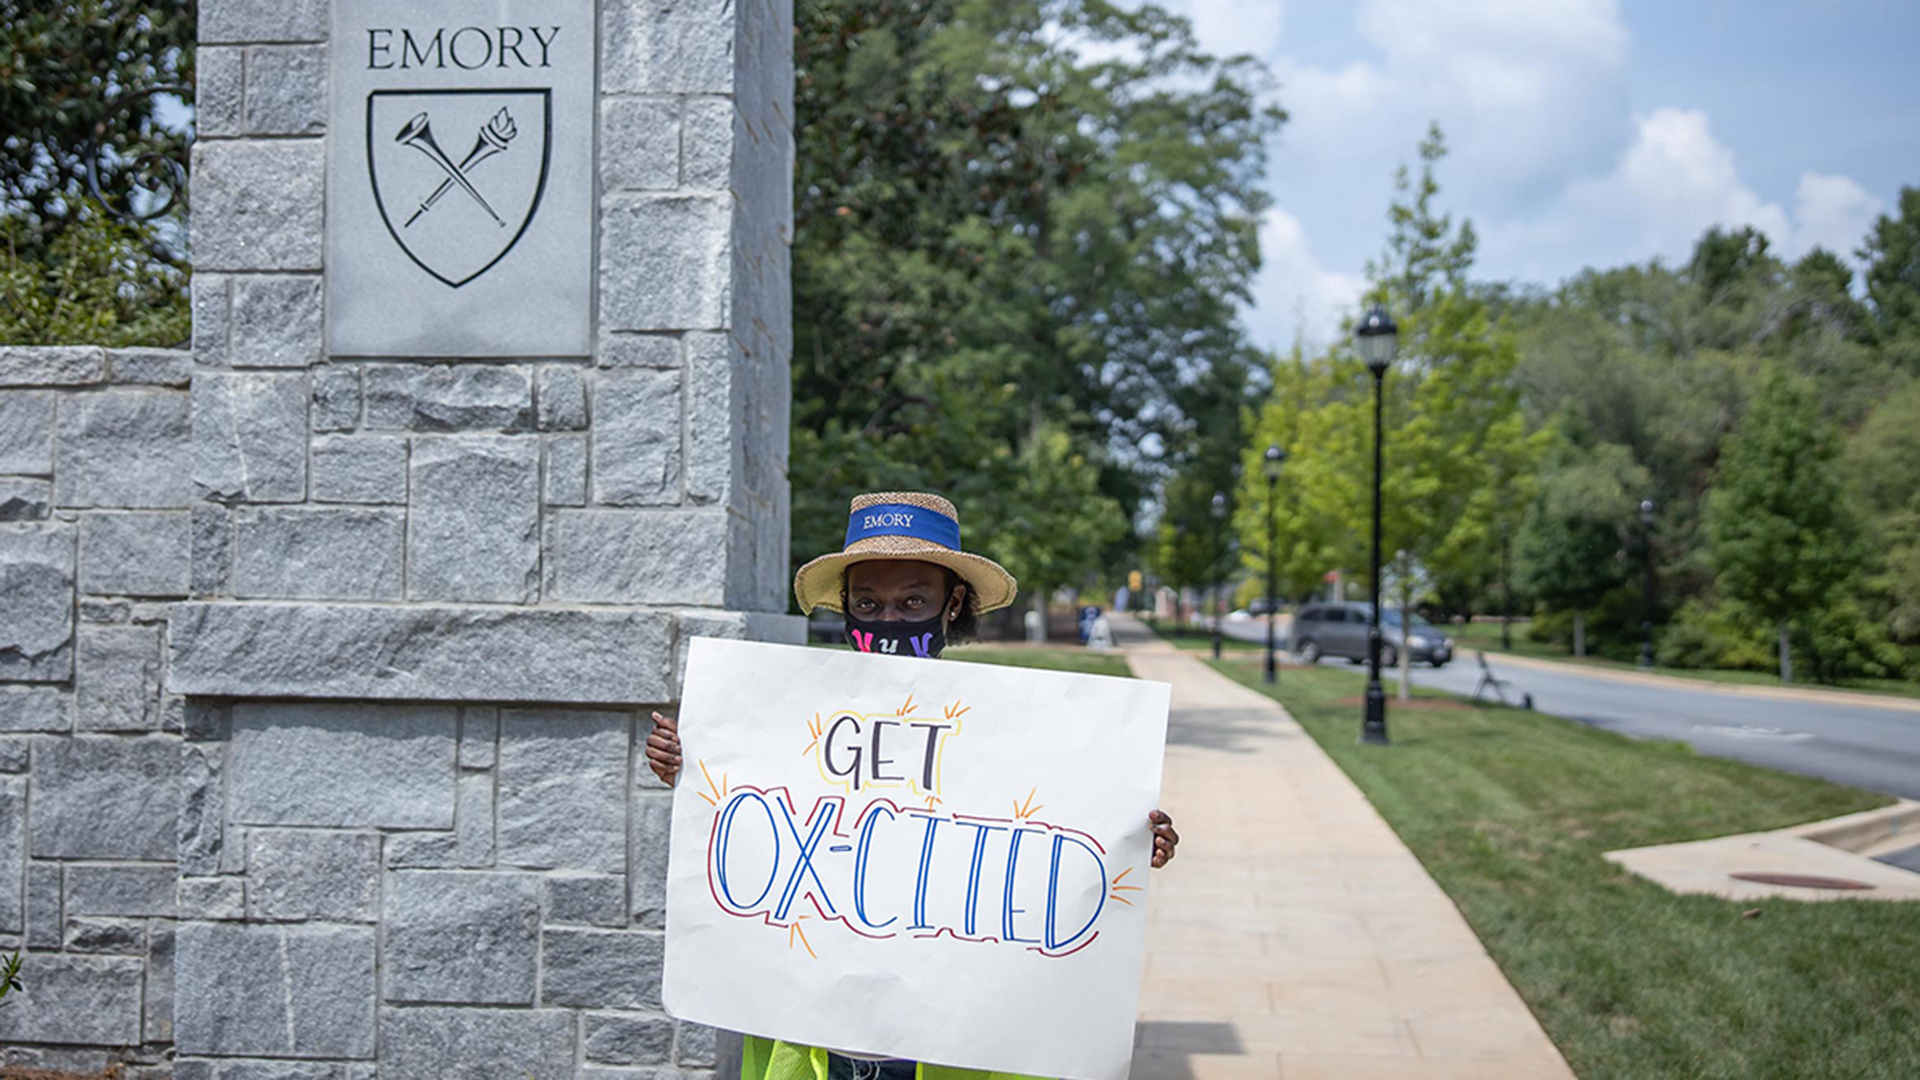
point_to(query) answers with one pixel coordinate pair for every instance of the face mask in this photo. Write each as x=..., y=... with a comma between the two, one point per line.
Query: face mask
x=925, y=637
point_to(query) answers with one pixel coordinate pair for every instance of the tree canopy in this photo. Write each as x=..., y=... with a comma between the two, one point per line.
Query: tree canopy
x=1022, y=231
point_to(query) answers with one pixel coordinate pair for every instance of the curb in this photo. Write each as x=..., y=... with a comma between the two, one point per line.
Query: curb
x=1676, y=682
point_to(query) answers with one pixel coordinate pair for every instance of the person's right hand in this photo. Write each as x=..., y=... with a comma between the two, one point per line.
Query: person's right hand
x=663, y=748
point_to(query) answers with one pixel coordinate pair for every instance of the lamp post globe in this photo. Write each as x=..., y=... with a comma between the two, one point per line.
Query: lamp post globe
x=1275, y=458
x=1377, y=339
x=1219, y=509
x=1646, y=585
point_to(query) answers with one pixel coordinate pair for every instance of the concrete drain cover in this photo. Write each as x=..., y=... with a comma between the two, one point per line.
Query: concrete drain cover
x=1804, y=881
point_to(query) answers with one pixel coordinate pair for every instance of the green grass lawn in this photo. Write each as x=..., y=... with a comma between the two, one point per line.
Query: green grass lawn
x=1486, y=636
x=1050, y=658
x=1510, y=812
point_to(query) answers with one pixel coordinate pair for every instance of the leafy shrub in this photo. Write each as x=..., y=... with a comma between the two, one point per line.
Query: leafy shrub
x=1707, y=634
x=100, y=282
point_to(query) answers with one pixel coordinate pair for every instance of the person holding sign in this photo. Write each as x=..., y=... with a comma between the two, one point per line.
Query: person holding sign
x=906, y=589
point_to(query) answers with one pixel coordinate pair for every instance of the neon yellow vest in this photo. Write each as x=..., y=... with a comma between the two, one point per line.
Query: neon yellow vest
x=770, y=1059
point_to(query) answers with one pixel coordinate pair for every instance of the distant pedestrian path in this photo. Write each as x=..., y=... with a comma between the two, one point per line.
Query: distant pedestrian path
x=1295, y=935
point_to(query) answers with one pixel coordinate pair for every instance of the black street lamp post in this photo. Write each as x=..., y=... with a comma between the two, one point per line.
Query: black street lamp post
x=1376, y=336
x=1219, y=551
x=1275, y=458
x=1646, y=584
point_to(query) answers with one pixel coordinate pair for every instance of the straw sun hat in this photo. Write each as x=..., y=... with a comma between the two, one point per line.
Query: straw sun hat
x=902, y=525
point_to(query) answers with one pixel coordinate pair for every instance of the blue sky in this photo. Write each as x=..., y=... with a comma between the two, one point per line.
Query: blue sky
x=1584, y=132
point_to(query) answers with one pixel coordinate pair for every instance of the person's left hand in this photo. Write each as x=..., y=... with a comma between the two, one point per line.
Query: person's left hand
x=1164, y=838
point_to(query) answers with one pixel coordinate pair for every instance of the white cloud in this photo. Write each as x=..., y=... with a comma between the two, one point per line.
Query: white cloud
x=1675, y=181
x=1232, y=27
x=1833, y=212
x=1295, y=296
x=1528, y=91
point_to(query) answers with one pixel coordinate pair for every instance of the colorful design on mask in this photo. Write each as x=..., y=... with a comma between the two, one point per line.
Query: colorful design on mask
x=861, y=641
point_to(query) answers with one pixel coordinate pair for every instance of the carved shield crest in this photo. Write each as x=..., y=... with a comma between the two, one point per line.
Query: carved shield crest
x=458, y=174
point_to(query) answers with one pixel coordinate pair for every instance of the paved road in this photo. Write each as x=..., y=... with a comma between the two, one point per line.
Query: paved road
x=1875, y=748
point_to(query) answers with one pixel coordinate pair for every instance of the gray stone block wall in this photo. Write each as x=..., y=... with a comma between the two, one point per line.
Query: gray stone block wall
x=96, y=541
x=323, y=680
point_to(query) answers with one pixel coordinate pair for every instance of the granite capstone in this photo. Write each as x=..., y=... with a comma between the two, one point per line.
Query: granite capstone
x=154, y=367
x=493, y=654
x=52, y=365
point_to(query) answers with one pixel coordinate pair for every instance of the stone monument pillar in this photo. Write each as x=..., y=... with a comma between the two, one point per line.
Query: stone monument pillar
x=488, y=417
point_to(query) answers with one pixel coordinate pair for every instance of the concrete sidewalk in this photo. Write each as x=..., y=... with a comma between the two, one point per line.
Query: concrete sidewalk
x=1295, y=936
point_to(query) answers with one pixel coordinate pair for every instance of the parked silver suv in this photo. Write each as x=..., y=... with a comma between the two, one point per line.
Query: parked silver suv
x=1341, y=630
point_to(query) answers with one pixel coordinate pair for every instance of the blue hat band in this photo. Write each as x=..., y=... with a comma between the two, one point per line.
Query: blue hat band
x=903, y=519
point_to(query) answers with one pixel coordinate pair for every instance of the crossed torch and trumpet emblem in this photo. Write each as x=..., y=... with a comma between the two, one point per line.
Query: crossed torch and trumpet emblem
x=493, y=138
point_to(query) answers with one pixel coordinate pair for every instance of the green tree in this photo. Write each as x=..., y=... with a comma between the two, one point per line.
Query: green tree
x=1892, y=254
x=74, y=76
x=96, y=285
x=1058, y=530
x=1306, y=414
x=1456, y=439
x=1784, y=538
x=998, y=237
x=1569, y=551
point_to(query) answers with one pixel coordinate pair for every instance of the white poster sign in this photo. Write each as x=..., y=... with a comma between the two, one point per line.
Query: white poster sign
x=925, y=859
